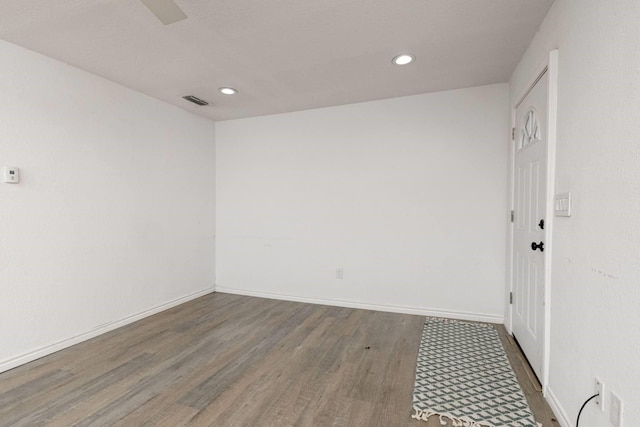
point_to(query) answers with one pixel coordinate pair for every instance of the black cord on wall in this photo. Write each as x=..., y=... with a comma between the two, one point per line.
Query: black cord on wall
x=583, y=405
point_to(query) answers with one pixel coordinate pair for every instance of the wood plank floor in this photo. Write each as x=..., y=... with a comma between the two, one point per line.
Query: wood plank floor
x=228, y=360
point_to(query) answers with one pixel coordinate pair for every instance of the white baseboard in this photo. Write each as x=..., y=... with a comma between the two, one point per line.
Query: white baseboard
x=44, y=351
x=459, y=315
x=557, y=408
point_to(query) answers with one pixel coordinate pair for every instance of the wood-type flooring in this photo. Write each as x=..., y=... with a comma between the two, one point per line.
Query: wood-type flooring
x=229, y=360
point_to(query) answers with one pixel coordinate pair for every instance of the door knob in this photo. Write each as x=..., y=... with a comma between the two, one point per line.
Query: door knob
x=535, y=246
x=541, y=224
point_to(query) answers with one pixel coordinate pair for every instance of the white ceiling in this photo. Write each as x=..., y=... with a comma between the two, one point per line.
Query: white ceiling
x=282, y=55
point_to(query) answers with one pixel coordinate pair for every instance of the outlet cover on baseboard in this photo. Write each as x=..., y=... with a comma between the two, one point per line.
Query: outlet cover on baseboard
x=615, y=415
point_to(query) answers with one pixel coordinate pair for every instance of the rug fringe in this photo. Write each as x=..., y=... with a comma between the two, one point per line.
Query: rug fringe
x=457, y=422
x=464, y=322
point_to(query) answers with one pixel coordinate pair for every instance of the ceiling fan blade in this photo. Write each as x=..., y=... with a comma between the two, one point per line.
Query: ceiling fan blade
x=166, y=10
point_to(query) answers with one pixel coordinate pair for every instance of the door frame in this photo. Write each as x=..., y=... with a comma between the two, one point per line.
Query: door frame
x=549, y=66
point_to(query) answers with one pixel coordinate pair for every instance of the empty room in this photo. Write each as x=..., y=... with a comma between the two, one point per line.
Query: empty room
x=320, y=213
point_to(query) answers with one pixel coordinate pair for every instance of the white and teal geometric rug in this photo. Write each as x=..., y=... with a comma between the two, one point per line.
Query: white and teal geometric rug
x=463, y=375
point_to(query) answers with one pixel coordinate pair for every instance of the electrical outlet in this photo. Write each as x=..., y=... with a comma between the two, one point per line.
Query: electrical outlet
x=339, y=273
x=598, y=388
x=615, y=414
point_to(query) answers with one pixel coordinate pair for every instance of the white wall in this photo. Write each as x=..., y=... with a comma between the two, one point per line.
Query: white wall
x=595, y=297
x=115, y=212
x=407, y=195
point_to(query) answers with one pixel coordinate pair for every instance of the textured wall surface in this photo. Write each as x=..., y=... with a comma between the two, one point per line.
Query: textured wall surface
x=595, y=297
x=115, y=212
x=407, y=195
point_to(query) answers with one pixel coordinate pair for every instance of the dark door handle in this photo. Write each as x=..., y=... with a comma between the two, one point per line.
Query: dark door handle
x=541, y=224
x=535, y=246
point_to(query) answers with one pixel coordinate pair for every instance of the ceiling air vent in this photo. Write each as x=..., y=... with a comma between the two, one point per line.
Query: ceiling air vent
x=195, y=100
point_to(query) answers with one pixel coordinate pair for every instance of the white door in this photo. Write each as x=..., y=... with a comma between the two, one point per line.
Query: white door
x=530, y=192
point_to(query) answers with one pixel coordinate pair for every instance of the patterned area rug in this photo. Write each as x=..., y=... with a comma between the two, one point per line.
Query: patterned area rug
x=463, y=375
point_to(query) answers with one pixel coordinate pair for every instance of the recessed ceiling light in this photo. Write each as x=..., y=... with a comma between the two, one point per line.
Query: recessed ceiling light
x=404, y=59
x=228, y=90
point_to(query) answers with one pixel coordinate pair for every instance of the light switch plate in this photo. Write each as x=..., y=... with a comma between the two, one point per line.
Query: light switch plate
x=11, y=175
x=562, y=204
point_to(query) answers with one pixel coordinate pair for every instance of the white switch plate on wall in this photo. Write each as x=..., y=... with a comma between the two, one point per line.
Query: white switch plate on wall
x=562, y=205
